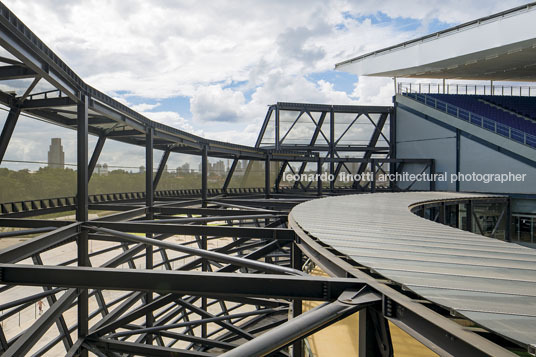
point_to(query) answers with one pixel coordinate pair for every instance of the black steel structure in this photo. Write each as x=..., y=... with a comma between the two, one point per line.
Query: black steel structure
x=198, y=272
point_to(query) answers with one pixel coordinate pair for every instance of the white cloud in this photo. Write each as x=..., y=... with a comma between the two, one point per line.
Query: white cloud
x=162, y=49
x=214, y=103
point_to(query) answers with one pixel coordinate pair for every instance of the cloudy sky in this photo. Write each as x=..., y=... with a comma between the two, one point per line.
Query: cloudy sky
x=213, y=67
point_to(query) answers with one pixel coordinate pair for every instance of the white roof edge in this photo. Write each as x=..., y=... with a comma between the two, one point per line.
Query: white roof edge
x=437, y=35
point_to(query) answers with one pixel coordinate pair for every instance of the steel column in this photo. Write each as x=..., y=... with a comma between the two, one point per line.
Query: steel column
x=469, y=216
x=508, y=220
x=82, y=212
x=392, y=145
x=204, y=175
x=277, y=128
x=332, y=149
x=374, y=335
x=319, y=175
x=267, y=176
x=149, y=202
x=297, y=260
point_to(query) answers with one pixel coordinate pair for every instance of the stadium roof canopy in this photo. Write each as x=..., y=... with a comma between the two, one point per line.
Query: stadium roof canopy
x=497, y=47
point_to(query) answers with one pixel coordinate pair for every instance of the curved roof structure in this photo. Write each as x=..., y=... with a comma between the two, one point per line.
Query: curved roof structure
x=488, y=281
x=497, y=47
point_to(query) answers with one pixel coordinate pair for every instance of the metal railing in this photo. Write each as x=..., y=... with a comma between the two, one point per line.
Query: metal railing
x=476, y=119
x=466, y=89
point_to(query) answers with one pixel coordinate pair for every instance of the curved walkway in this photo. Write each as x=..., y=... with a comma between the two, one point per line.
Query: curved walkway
x=489, y=281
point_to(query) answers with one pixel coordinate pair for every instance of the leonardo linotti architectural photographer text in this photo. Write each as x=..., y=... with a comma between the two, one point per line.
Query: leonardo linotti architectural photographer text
x=411, y=177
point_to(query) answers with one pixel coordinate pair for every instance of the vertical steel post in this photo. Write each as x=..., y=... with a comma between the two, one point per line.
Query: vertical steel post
x=204, y=243
x=432, y=172
x=204, y=175
x=332, y=149
x=458, y=157
x=297, y=260
x=374, y=334
x=469, y=216
x=267, y=176
x=82, y=212
x=442, y=213
x=508, y=221
x=7, y=131
x=373, y=171
x=319, y=175
x=277, y=128
x=392, y=146
x=149, y=203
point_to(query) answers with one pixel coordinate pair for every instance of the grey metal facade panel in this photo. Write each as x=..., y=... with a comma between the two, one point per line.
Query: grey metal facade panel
x=489, y=281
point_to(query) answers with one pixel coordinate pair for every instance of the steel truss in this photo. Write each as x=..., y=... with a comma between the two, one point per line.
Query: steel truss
x=191, y=272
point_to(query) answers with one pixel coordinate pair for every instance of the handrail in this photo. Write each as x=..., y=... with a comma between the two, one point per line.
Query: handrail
x=466, y=89
x=475, y=119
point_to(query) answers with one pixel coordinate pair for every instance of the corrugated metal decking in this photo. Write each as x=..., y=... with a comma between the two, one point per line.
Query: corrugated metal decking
x=489, y=281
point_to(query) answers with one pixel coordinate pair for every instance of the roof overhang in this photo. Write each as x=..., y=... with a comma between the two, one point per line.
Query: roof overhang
x=499, y=47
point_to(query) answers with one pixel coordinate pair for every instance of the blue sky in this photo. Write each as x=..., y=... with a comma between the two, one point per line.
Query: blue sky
x=213, y=69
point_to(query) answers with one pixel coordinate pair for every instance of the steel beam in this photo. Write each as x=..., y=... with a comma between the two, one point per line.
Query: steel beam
x=7, y=131
x=27, y=340
x=187, y=229
x=95, y=157
x=139, y=349
x=38, y=244
x=180, y=282
x=306, y=324
x=15, y=72
x=204, y=253
x=161, y=168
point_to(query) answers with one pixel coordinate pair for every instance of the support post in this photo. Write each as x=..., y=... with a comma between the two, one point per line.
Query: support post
x=458, y=157
x=332, y=149
x=373, y=171
x=443, y=213
x=374, y=334
x=82, y=213
x=7, y=132
x=469, y=216
x=318, y=175
x=267, y=176
x=297, y=259
x=95, y=157
x=392, y=146
x=204, y=175
x=277, y=128
x=432, y=172
x=508, y=221
x=149, y=202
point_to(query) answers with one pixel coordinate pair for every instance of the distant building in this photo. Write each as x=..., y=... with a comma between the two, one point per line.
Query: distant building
x=56, y=156
x=184, y=169
x=142, y=169
x=102, y=169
